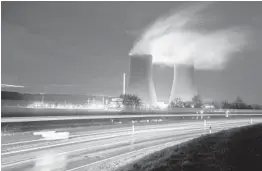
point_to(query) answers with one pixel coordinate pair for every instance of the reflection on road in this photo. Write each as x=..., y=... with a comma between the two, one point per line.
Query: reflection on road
x=97, y=148
x=52, y=135
x=48, y=161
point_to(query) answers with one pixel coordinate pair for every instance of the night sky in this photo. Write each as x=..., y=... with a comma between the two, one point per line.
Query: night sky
x=82, y=47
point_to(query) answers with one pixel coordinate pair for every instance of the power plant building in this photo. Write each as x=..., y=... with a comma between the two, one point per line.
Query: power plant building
x=140, y=79
x=183, y=83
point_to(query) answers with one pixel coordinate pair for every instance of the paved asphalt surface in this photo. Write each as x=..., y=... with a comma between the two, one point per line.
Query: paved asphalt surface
x=101, y=148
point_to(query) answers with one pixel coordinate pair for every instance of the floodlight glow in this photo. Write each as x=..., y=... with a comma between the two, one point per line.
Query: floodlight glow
x=40, y=105
x=162, y=105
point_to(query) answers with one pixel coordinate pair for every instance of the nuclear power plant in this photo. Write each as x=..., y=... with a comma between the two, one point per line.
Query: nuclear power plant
x=183, y=83
x=140, y=78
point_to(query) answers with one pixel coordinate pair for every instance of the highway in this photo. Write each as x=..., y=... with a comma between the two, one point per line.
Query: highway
x=102, y=148
x=14, y=111
x=70, y=118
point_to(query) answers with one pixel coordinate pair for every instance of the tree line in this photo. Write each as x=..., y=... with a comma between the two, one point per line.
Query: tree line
x=197, y=102
x=134, y=101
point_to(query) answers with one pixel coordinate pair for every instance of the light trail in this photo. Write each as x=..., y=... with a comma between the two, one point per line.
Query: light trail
x=143, y=137
x=57, y=118
x=92, y=139
x=143, y=150
x=128, y=128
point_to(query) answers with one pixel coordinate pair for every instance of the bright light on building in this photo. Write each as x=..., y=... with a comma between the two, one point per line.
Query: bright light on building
x=40, y=105
x=162, y=105
x=96, y=106
x=209, y=106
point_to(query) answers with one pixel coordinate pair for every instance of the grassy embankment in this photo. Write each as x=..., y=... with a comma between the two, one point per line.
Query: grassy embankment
x=238, y=149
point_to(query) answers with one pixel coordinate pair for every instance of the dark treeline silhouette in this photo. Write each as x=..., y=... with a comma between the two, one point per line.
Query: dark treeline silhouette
x=131, y=100
x=7, y=95
x=197, y=102
x=239, y=104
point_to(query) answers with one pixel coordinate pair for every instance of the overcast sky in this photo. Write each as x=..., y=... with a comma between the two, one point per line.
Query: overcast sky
x=82, y=47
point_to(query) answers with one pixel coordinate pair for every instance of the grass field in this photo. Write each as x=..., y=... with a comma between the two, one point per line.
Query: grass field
x=238, y=149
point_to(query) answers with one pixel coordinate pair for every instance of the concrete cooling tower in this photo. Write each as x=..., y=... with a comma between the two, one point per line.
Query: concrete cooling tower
x=140, y=78
x=183, y=82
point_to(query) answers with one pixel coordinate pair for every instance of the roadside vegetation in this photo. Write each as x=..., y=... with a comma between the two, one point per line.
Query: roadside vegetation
x=197, y=102
x=237, y=149
x=130, y=101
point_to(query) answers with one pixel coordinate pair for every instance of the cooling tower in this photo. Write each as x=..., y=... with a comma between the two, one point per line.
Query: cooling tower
x=140, y=78
x=183, y=83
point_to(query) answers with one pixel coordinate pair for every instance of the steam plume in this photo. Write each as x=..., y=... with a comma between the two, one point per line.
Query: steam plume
x=171, y=40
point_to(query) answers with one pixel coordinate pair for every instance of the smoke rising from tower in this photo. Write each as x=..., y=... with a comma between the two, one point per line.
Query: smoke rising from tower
x=173, y=41
x=140, y=79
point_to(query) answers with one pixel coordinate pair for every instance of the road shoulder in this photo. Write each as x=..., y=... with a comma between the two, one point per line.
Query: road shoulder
x=235, y=149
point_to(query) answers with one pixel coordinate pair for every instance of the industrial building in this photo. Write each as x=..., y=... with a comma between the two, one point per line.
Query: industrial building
x=183, y=83
x=140, y=78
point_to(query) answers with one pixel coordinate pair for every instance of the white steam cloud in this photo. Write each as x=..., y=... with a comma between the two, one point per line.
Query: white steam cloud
x=171, y=40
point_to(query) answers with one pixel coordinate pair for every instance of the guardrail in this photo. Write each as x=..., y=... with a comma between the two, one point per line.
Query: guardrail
x=24, y=112
x=64, y=118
